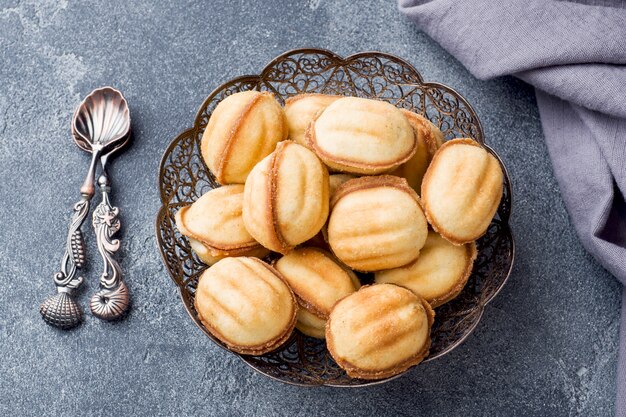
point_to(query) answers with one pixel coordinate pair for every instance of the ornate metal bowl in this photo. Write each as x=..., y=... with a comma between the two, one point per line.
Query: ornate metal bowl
x=183, y=178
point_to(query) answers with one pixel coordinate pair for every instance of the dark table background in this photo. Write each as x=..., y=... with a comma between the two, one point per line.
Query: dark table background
x=547, y=345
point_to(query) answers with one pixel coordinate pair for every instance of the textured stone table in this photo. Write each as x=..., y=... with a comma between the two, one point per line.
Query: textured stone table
x=547, y=345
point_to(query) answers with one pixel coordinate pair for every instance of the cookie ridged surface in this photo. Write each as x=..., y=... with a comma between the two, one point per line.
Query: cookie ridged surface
x=246, y=304
x=286, y=197
x=376, y=223
x=361, y=136
x=439, y=273
x=461, y=190
x=379, y=331
x=214, y=225
x=243, y=129
x=318, y=281
x=300, y=111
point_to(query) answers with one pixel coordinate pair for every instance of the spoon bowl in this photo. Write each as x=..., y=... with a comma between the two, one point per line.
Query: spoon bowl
x=101, y=125
x=102, y=121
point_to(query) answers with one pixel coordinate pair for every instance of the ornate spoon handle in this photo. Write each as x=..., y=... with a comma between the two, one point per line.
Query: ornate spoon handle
x=112, y=301
x=60, y=310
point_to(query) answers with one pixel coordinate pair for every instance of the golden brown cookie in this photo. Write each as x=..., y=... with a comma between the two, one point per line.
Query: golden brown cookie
x=286, y=197
x=362, y=136
x=439, y=273
x=318, y=281
x=461, y=190
x=379, y=331
x=376, y=223
x=243, y=129
x=300, y=110
x=214, y=226
x=246, y=304
x=429, y=139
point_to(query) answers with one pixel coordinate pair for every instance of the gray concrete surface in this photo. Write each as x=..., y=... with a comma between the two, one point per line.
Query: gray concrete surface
x=547, y=345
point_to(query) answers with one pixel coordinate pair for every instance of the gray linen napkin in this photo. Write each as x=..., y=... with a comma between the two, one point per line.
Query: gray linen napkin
x=575, y=56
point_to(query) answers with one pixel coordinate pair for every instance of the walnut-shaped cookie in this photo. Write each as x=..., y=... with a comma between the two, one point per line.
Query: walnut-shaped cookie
x=243, y=129
x=286, y=198
x=429, y=139
x=300, y=110
x=461, y=190
x=379, y=331
x=318, y=281
x=376, y=223
x=440, y=272
x=214, y=226
x=362, y=136
x=246, y=304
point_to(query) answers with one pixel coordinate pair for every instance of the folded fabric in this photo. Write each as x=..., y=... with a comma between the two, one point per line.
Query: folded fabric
x=574, y=54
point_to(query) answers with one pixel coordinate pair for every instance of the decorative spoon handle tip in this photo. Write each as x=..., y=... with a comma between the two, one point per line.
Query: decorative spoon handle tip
x=112, y=301
x=60, y=310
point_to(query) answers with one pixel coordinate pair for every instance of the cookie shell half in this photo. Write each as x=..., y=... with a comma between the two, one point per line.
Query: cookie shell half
x=246, y=304
x=286, y=198
x=376, y=223
x=214, y=225
x=361, y=136
x=461, y=190
x=243, y=129
x=379, y=331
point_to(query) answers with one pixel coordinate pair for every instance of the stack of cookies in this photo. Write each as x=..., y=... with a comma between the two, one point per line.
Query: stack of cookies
x=332, y=186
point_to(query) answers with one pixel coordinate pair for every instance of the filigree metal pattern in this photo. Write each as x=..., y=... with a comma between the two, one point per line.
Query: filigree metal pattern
x=183, y=178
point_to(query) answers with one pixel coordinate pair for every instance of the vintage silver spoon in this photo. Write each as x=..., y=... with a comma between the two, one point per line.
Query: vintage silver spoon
x=113, y=300
x=100, y=123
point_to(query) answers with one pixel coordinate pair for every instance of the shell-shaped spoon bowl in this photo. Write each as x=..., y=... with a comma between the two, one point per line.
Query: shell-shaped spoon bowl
x=102, y=120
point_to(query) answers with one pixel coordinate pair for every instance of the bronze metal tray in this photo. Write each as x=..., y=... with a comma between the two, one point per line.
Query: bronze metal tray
x=183, y=178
